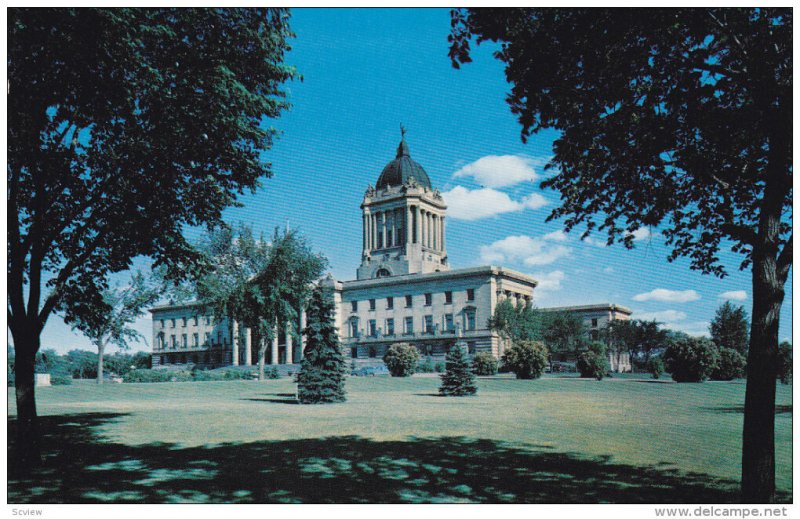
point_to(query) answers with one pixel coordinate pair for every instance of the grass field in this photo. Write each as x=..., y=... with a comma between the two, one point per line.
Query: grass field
x=554, y=440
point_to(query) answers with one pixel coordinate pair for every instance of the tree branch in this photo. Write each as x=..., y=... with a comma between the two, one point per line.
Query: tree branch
x=784, y=263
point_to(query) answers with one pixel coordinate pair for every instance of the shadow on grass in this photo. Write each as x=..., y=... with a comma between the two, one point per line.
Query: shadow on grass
x=779, y=409
x=292, y=401
x=82, y=467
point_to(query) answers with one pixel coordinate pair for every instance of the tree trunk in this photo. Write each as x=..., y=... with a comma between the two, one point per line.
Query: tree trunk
x=262, y=353
x=27, y=450
x=758, y=436
x=100, y=350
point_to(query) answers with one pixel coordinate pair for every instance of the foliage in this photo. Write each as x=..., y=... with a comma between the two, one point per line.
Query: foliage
x=485, y=364
x=730, y=365
x=593, y=363
x=322, y=373
x=458, y=378
x=677, y=119
x=526, y=359
x=425, y=366
x=563, y=332
x=730, y=327
x=125, y=127
x=439, y=367
x=785, y=362
x=640, y=338
x=83, y=363
x=49, y=361
x=401, y=359
x=516, y=323
x=157, y=375
x=60, y=380
x=655, y=366
x=690, y=359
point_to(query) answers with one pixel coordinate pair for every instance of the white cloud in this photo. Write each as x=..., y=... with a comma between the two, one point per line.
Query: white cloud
x=668, y=296
x=694, y=328
x=595, y=242
x=523, y=249
x=474, y=204
x=500, y=170
x=734, y=295
x=662, y=316
x=558, y=235
x=608, y=270
x=643, y=233
x=550, y=281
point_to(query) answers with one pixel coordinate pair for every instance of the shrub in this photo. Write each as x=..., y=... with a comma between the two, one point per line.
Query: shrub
x=785, y=362
x=730, y=365
x=426, y=366
x=458, y=378
x=484, y=364
x=527, y=359
x=272, y=373
x=655, y=366
x=439, y=367
x=593, y=363
x=690, y=359
x=60, y=380
x=401, y=359
x=157, y=375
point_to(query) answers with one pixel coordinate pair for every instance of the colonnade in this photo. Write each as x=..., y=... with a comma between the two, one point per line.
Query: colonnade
x=248, y=336
x=390, y=228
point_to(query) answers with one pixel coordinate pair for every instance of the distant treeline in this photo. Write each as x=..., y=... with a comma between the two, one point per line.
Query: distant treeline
x=81, y=363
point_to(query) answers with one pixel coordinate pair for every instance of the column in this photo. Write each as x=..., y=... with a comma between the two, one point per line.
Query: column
x=383, y=228
x=428, y=233
x=273, y=357
x=289, y=344
x=235, y=342
x=248, y=346
x=409, y=220
x=435, y=222
x=364, y=232
x=443, y=234
x=302, y=335
x=422, y=227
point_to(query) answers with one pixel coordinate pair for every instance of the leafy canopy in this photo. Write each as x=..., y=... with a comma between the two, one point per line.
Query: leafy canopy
x=730, y=327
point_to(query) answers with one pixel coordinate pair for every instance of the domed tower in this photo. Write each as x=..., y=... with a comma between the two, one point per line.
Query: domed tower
x=404, y=221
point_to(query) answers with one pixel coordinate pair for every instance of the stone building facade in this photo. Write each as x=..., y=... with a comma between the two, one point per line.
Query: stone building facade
x=405, y=290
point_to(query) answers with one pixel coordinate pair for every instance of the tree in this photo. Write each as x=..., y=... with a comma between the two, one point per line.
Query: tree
x=322, y=374
x=484, y=364
x=258, y=283
x=563, y=332
x=639, y=338
x=730, y=328
x=593, y=363
x=401, y=359
x=691, y=359
x=527, y=359
x=83, y=364
x=124, y=127
x=516, y=323
x=730, y=365
x=785, y=362
x=111, y=322
x=458, y=378
x=655, y=366
x=672, y=118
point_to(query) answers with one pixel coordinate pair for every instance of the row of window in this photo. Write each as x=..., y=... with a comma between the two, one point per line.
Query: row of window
x=184, y=340
x=374, y=351
x=409, y=300
x=184, y=321
x=408, y=325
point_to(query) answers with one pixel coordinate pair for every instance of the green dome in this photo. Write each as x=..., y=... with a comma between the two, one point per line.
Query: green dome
x=398, y=171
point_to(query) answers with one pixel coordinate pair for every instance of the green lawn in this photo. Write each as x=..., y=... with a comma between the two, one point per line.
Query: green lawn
x=557, y=440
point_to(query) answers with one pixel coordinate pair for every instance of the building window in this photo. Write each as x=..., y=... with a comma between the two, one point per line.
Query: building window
x=172, y=323
x=429, y=324
x=184, y=341
x=594, y=323
x=373, y=352
x=470, y=294
x=380, y=240
x=594, y=335
x=383, y=273
x=471, y=347
x=448, y=298
x=354, y=306
x=196, y=340
x=389, y=326
x=195, y=320
x=183, y=322
x=389, y=303
x=354, y=352
x=173, y=341
x=353, y=327
x=470, y=320
x=372, y=304
x=388, y=237
x=208, y=320
x=208, y=339
x=373, y=329
x=409, y=325
x=428, y=299
x=162, y=324
x=448, y=323
x=409, y=301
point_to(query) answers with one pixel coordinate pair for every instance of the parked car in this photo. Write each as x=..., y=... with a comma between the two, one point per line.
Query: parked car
x=370, y=371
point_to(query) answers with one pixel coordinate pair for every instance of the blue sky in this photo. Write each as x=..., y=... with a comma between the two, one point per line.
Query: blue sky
x=365, y=72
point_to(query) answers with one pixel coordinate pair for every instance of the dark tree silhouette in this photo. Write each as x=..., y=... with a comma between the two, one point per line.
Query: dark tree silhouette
x=124, y=127
x=673, y=118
